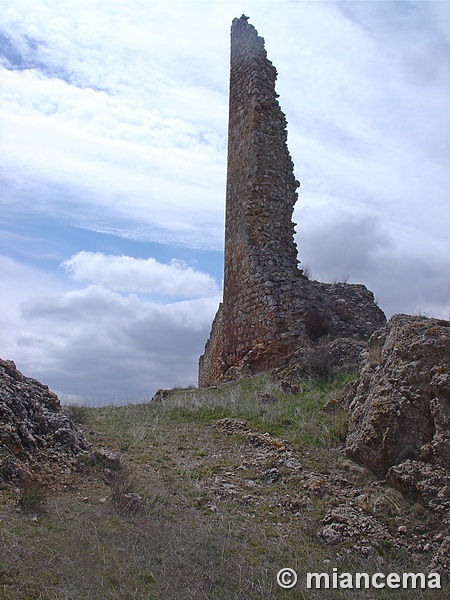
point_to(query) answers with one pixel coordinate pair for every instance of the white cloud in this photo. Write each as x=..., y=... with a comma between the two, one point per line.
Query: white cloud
x=96, y=344
x=135, y=117
x=78, y=152
x=105, y=117
x=105, y=347
x=144, y=275
x=17, y=282
x=114, y=118
x=358, y=245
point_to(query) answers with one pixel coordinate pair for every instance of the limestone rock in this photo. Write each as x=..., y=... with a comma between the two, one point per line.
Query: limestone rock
x=399, y=411
x=344, y=522
x=428, y=484
x=33, y=426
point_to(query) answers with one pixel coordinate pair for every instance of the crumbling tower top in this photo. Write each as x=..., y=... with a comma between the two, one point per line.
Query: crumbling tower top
x=261, y=186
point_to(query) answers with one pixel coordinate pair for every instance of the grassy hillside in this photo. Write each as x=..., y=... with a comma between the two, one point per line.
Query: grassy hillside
x=208, y=495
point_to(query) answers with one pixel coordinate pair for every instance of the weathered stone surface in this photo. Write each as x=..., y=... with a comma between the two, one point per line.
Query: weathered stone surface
x=345, y=522
x=426, y=483
x=33, y=426
x=399, y=411
x=441, y=560
x=323, y=360
x=269, y=307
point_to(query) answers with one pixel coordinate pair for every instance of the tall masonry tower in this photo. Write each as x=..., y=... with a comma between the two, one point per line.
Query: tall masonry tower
x=266, y=296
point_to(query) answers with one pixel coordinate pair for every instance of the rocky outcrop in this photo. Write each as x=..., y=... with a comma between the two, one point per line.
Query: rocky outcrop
x=399, y=409
x=34, y=429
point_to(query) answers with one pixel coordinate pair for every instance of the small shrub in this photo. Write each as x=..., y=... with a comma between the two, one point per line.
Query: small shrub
x=344, y=313
x=8, y=469
x=374, y=352
x=78, y=413
x=316, y=323
x=318, y=363
x=339, y=426
x=32, y=496
x=123, y=496
x=307, y=272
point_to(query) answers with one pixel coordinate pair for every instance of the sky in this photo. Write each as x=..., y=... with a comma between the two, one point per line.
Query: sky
x=113, y=136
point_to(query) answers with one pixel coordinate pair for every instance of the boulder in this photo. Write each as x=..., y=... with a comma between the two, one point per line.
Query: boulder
x=399, y=410
x=34, y=429
x=426, y=483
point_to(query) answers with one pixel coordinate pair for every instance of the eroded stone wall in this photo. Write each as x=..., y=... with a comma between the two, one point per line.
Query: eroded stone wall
x=260, y=253
x=268, y=306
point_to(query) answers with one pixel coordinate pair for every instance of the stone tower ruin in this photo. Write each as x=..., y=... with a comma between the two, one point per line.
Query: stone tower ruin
x=269, y=306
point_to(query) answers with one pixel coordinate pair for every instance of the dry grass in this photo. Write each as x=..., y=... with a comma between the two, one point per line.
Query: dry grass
x=210, y=523
x=32, y=496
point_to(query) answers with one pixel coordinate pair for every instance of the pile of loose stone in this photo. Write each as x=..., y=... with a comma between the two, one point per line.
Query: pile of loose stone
x=36, y=434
